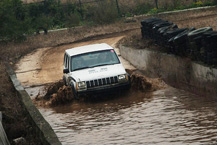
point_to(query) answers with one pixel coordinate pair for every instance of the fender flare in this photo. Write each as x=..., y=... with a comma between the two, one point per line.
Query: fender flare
x=73, y=87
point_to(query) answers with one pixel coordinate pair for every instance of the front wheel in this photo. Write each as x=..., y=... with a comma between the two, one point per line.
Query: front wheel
x=74, y=91
x=64, y=81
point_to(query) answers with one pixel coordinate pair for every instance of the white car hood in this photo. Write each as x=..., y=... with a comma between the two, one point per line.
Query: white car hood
x=98, y=72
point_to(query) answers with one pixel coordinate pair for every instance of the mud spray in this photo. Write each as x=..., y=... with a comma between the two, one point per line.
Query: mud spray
x=59, y=94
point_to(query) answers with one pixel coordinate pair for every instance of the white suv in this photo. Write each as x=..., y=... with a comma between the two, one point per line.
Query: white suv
x=93, y=69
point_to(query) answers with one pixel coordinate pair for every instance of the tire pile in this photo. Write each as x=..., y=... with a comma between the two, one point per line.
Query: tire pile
x=197, y=44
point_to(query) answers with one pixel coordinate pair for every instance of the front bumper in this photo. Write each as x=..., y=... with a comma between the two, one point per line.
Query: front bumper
x=106, y=89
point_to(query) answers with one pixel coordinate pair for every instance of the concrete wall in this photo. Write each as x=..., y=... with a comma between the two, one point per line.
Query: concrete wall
x=40, y=125
x=3, y=136
x=176, y=71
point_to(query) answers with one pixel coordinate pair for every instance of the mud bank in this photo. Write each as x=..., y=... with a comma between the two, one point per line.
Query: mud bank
x=39, y=124
x=176, y=71
x=57, y=93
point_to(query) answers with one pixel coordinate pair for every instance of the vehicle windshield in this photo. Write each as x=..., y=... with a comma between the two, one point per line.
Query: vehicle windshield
x=93, y=59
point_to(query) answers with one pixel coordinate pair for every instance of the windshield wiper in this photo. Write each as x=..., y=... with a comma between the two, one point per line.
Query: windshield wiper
x=82, y=68
x=94, y=66
x=104, y=64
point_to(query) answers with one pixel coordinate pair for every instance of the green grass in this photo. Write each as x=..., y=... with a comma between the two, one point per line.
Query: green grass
x=181, y=7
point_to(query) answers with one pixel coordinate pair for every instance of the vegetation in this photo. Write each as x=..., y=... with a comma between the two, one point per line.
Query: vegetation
x=17, y=20
x=12, y=20
x=177, y=6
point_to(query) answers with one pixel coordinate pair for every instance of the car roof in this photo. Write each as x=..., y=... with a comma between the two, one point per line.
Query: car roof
x=88, y=48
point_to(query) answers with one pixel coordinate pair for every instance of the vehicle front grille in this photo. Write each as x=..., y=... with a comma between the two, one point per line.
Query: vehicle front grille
x=102, y=82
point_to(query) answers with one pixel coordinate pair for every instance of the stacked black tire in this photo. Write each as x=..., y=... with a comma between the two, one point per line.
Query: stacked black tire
x=199, y=45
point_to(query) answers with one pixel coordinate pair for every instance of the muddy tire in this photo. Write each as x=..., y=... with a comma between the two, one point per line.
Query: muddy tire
x=198, y=47
x=162, y=24
x=198, y=32
x=181, y=43
x=180, y=38
x=150, y=20
x=64, y=81
x=209, y=58
x=172, y=33
x=74, y=91
x=195, y=37
x=169, y=36
x=166, y=28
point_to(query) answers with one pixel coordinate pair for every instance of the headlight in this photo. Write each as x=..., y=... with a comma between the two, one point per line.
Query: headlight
x=81, y=86
x=122, y=78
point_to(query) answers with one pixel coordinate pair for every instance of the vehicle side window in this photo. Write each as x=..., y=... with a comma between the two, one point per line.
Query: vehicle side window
x=67, y=61
x=64, y=63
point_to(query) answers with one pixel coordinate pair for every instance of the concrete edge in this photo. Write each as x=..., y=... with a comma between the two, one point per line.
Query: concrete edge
x=41, y=126
x=185, y=10
x=176, y=71
x=3, y=136
x=175, y=11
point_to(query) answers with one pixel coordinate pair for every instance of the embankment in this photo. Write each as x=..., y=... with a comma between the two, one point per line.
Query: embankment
x=176, y=71
x=40, y=125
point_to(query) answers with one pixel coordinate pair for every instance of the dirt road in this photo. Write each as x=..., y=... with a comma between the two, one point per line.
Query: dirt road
x=45, y=65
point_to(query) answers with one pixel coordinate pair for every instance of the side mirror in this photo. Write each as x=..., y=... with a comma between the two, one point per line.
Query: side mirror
x=65, y=71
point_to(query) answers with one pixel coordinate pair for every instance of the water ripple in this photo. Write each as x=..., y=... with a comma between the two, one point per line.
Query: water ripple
x=167, y=116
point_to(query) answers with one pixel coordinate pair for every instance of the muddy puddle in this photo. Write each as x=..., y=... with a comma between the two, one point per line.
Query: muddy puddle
x=162, y=116
x=167, y=116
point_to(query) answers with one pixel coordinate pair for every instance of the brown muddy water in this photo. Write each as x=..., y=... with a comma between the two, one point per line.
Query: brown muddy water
x=164, y=117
